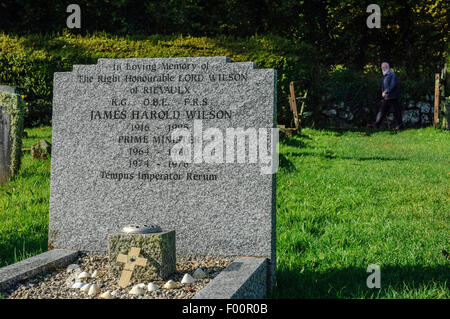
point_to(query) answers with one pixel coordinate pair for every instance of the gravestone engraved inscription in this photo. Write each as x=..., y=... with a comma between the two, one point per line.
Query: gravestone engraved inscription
x=188, y=143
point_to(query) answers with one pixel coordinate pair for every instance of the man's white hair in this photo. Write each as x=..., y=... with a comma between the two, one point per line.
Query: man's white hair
x=386, y=64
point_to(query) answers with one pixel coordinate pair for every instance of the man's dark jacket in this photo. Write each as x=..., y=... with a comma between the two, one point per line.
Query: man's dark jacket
x=390, y=85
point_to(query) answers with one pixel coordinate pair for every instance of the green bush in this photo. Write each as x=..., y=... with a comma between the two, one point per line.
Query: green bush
x=414, y=33
x=28, y=62
x=355, y=91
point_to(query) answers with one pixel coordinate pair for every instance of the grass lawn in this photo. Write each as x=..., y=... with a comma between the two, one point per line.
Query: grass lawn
x=345, y=199
x=349, y=199
x=24, y=205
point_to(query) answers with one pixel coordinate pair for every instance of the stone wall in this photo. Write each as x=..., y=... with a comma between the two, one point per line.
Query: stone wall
x=414, y=113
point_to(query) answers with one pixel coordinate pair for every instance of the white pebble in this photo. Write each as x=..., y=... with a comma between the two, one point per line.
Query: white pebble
x=93, y=290
x=137, y=290
x=78, y=285
x=72, y=267
x=187, y=279
x=85, y=288
x=152, y=287
x=106, y=295
x=84, y=275
x=199, y=274
x=72, y=278
x=170, y=285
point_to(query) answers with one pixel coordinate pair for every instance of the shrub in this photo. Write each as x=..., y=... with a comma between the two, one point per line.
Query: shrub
x=28, y=62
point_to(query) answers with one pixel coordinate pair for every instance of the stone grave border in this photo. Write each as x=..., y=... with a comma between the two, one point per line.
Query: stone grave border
x=244, y=278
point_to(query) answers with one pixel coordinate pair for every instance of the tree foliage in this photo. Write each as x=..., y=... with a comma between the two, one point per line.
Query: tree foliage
x=312, y=37
x=413, y=33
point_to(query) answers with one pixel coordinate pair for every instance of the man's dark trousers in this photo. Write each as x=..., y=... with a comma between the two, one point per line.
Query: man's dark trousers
x=386, y=105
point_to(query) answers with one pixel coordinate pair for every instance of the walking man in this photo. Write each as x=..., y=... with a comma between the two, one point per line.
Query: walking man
x=390, y=93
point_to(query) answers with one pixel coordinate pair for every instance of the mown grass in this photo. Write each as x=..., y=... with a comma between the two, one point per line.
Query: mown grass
x=345, y=199
x=24, y=205
x=349, y=199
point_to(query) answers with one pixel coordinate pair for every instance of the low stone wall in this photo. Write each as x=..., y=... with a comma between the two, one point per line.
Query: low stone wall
x=414, y=113
x=30, y=267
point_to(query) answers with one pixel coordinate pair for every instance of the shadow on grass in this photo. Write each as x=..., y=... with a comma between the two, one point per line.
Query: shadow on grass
x=406, y=282
x=305, y=137
x=372, y=158
x=293, y=142
x=32, y=137
x=286, y=164
x=330, y=155
x=16, y=248
x=339, y=131
x=29, y=173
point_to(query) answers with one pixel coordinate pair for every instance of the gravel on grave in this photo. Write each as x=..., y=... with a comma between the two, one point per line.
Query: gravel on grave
x=57, y=284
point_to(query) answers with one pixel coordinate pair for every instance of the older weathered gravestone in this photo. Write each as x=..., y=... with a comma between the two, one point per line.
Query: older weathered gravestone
x=11, y=128
x=187, y=143
x=41, y=150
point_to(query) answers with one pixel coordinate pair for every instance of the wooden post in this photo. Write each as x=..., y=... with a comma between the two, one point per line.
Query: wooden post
x=293, y=104
x=436, y=101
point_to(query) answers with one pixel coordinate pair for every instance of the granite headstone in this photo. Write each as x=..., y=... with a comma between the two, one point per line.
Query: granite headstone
x=185, y=143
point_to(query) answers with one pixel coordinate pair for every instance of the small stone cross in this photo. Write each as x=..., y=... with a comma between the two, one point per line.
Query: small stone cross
x=130, y=260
